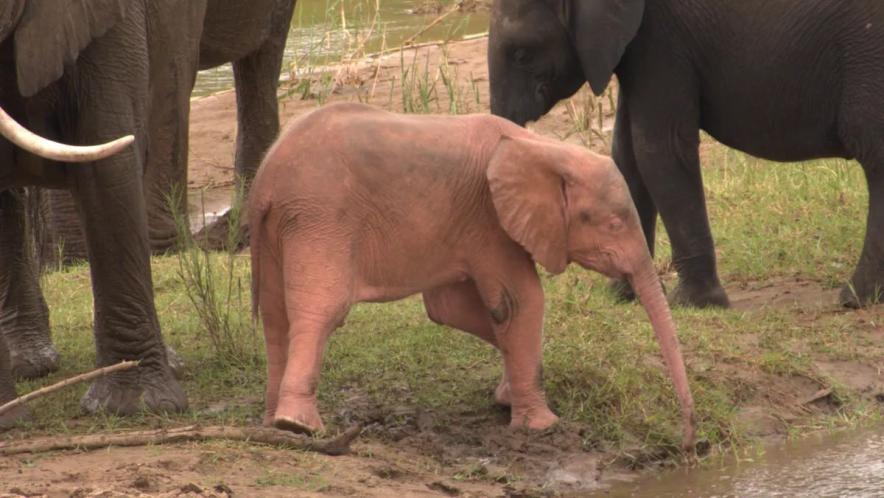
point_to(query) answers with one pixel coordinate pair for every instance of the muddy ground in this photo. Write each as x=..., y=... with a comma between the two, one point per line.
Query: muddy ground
x=405, y=451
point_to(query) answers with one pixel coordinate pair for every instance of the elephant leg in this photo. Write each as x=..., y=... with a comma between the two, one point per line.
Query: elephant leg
x=460, y=306
x=665, y=135
x=174, y=59
x=623, y=154
x=7, y=391
x=867, y=284
x=316, y=304
x=65, y=228
x=98, y=101
x=515, y=305
x=271, y=298
x=24, y=316
x=257, y=113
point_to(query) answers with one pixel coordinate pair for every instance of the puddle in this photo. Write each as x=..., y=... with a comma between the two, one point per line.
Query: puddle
x=850, y=464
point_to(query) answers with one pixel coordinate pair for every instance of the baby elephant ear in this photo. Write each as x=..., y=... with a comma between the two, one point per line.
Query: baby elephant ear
x=527, y=192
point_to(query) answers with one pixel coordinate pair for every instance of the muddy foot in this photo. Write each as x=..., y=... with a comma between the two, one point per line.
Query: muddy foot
x=303, y=419
x=297, y=426
x=131, y=391
x=33, y=362
x=699, y=297
x=217, y=237
x=860, y=294
x=535, y=418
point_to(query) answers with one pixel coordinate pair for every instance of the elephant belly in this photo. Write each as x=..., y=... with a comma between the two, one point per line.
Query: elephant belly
x=774, y=129
x=392, y=284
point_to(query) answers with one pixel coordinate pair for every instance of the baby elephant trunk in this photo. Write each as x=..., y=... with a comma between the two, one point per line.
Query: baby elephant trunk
x=649, y=291
x=48, y=149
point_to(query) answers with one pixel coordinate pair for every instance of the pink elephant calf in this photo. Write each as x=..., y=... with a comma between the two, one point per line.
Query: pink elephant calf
x=355, y=204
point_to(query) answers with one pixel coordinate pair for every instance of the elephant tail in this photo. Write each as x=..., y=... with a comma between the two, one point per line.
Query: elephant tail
x=257, y=213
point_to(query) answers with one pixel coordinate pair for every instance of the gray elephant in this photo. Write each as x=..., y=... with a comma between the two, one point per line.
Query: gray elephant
x=93, y=80
x=788, y=80
x=249, y=33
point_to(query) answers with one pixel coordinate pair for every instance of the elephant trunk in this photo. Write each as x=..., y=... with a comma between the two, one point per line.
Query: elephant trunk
x=48, y=149
x=649, y=291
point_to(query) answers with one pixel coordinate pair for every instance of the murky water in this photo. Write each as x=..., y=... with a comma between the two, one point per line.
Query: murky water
x=847, y=465
x=321, y=33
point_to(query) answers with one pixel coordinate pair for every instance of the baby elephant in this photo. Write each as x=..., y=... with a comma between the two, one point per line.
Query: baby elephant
x=355, y=204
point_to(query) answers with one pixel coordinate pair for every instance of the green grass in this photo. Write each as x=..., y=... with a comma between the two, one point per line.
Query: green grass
x=601, y=364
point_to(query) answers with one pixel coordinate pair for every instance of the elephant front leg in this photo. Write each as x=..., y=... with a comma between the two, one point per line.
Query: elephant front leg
x=460, y=306
x=867, y=284
x=666, y=142
x=623, y=153
x=516, y=311
x=257, y=126
x=174, y=59
x=24, y=316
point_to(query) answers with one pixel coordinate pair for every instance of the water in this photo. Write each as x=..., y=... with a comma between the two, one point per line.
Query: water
x=847, y=465
x=317, y=36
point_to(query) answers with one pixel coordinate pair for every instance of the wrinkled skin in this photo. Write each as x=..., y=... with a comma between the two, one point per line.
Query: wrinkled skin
x=454, y=208
x=86, y=84
x=788, y=81
x=250, y=34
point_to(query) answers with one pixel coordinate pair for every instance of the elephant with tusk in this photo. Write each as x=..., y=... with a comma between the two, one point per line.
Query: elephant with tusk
x=99, y=76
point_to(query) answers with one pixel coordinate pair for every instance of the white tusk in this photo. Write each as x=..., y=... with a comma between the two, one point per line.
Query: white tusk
x=48, y=149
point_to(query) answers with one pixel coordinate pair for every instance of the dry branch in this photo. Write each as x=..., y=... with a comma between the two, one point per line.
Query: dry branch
x=337, y=445
x=123, y=365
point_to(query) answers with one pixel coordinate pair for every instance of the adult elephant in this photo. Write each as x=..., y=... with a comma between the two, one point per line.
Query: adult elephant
x=789, y=80
x=84, y=71
x=249, y=33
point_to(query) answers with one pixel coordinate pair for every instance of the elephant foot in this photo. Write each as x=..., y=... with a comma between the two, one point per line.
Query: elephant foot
x=538, y=418
x=861, y=293
x=302, y=419
x=216, y=236
x=622, y=291
x=17, y=415
x=699, y=296
x=128, y=392
x=33, y=361
x=502, y=394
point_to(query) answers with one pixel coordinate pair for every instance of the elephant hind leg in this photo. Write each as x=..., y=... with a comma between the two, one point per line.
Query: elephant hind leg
x=317, y=299
x=276, y=325
x=460, y=306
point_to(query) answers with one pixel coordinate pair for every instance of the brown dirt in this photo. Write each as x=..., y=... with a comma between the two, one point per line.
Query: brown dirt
x=406, y=451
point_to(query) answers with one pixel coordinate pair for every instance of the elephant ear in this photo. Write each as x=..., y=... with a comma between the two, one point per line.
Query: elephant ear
x=52, y=33
x=528, y=196
x=602, y=29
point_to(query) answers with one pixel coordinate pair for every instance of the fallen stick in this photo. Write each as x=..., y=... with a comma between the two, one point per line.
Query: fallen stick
x=123, y=365
x=337, y=445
